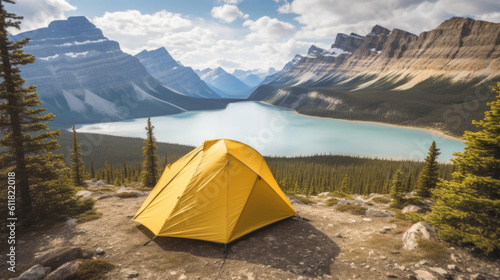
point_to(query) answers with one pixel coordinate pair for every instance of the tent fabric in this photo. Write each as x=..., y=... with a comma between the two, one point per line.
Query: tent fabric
x=218, y=192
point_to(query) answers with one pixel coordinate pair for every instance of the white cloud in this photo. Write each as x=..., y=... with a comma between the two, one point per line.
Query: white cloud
x=231, y=1
x=39, y=13
x=325, y=18
x=268, y=29
x=228, y=13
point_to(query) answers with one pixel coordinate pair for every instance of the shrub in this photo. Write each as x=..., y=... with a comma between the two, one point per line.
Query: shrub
x=353, y=209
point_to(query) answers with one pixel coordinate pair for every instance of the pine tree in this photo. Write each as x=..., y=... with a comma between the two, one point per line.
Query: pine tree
x=92, y=170
x=77, y=165
x=149, y=174
x=429, y=176
x=397, y=190
x=344, y=186
x=467, y=208
x=107, y=172
x=27, y=145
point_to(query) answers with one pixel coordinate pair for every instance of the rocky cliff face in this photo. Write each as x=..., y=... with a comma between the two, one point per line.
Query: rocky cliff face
x=461, y=49
x=84, y=77
x=225, y=84
x=160, y=64
x=395, y=76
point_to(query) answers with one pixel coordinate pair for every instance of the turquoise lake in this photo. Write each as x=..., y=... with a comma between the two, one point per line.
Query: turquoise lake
x=275, y=131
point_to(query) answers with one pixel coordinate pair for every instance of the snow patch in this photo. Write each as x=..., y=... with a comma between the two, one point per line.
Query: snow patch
x=100, y=105
x=76, y=43
x=142, y=95
x=47, y=58
x=74, y=103
x=73, y=55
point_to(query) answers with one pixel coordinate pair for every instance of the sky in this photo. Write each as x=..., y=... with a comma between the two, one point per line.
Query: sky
x=246, y=34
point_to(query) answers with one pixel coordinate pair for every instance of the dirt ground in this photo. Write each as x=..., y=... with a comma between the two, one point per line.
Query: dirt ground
x=330, y=245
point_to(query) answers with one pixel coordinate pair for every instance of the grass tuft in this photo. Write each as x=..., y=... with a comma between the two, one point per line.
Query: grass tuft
x=93, y=269
x=331, y=201
x=88, y=216
x=380, y=199
x=353, y=209
x=302, y=199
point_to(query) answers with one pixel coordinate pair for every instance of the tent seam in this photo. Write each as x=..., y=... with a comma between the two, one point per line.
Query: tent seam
x=167, y=184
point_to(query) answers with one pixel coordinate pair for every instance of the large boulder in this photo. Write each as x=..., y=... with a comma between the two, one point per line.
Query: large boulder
x=352, y=202
x=412, y=208
x=84, y=194
x=419, y=230
x=65, y=271
x=36, y=272
x=372, y=212
x=60, y=257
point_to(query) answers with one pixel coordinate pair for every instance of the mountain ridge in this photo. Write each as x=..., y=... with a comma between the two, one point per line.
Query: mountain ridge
x=82, y=77
x=394, y=76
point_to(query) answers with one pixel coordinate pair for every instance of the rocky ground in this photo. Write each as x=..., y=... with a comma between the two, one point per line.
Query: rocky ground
x=328, y=245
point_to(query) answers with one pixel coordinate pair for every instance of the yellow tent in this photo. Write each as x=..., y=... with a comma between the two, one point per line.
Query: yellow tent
x=218, y=192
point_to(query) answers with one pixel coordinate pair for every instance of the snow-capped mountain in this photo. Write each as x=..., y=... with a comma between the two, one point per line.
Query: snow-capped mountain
x=225, y=84
x=160, y=64
x=253, y=77
x=84, y=77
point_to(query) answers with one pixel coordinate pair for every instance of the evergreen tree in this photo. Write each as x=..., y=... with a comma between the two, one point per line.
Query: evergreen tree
x=92, y=170
x=397, y=190
x=107, y=172
x=429, y=176
x=344, y=186
x=27, y=145
x=149, y=174
x=77, y=165
x=467, y=208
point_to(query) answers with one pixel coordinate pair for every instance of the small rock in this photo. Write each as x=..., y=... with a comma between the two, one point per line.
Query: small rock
x=424, y=275
x=329, y=225
x=101, y=183
x=477, y=276
x=386, y=228
x=383, y=257
x=411, y=277
x=367, y=219
x=323, y=194
x=412, y=208
x=84, y=194
x=423, y=262
x=130, y=274
x=71, y=222
x=311, y=236
x=390, y=275
x=453, y=257
x=182, y=277
x=419, y=230
x=321, y=204
x=371, y=253
x=372, y=212
x=452, y=267
x=469, y=270
x=251, y=276
x=353, y=221
x=65, y=271
x=402, y=268
x=126, y=190
x=99, y=251
x=440, y=271
x=175, y=272
x=351, y=202
x=36, y=272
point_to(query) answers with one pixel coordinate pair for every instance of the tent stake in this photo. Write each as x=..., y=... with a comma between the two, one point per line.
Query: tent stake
x=149, y=241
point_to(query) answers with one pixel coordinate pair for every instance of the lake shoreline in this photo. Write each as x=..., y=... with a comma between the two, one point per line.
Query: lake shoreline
x=431, y=131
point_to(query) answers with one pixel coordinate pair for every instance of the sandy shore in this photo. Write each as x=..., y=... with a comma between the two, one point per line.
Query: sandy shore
x=430, y=131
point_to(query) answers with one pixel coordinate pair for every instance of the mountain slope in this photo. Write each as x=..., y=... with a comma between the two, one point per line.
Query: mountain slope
x=395, y=76
x=252, y=77
x=84, y=77
x=173, y=75
x=224, y=83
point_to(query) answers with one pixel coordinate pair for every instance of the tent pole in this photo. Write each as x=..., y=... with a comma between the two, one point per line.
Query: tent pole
x=149, y=241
